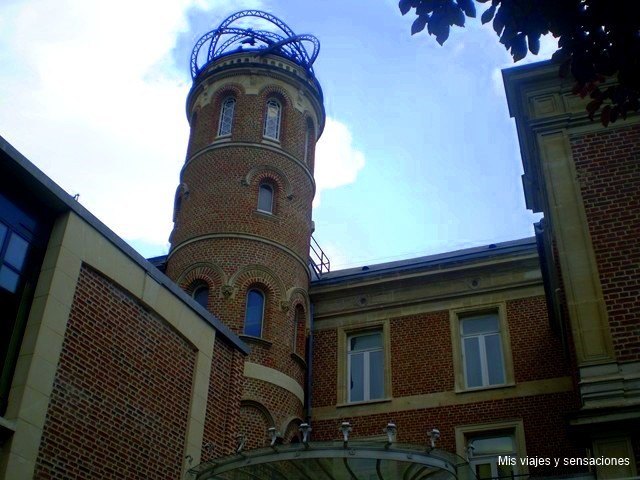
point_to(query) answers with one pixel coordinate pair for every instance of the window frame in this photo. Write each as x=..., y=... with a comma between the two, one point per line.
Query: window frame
x=456, y=316
x=246, y=311
x=223, y=109
x=515, y=428
x=266, y=185
x=200, y=286
x=278, y=122
x=344, y=334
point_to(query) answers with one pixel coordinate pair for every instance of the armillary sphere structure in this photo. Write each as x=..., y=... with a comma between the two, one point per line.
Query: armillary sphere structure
x=276, y=38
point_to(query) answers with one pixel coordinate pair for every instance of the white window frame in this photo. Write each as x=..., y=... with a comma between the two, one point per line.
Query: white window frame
x=514, y=428
x=365, y=365
x=273, y=193
x=456, y=316
x=482, y=345
x=269, y=132
x=223, y=111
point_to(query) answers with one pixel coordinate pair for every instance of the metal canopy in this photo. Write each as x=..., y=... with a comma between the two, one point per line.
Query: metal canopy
x=277, y=38
x=360, y=460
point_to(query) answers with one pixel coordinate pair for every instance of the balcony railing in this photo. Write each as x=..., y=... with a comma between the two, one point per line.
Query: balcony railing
x=318, y=260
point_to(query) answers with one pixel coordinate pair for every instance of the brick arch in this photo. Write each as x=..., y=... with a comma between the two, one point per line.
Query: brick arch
x=261, y=172
x=291, y=429
x=277, y=92
x=255, y=419
x=260, y=275
x=182, y=193
x=234, y=89
x=298, y=295
x=208, y=272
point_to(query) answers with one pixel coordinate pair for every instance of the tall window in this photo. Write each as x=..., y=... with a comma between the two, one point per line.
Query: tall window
x=489, y=455
x=265, y=198
x=482, y=350
x=254, y=313
x=307, y=140
x=365, y=367
x=272, y=119
x=201, y=294
x=226, y=116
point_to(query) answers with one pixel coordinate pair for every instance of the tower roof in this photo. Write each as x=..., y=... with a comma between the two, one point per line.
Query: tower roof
x=274, y=38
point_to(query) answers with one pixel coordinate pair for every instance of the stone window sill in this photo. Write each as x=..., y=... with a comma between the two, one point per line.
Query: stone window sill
x=459, y=390
x=256, y=340
x=298, y=359
x=366, y=402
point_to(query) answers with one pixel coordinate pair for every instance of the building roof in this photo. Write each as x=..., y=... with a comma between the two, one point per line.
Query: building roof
x=429, y=262
x=37, y=186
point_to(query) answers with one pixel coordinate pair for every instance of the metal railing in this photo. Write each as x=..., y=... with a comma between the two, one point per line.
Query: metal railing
x=318, y=260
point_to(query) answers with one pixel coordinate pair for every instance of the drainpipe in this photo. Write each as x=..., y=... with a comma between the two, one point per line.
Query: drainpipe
x=307, y=397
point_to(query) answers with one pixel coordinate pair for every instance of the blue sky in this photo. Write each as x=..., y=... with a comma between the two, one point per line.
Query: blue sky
x=419, y=155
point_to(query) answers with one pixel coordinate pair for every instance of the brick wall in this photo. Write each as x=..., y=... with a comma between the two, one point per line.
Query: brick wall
x=121, y=394
x=545, y=434
x=608, y=170
x=223, y=402
x=422, y=356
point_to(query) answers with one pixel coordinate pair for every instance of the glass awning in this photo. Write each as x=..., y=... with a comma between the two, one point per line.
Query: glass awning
x=359, y=460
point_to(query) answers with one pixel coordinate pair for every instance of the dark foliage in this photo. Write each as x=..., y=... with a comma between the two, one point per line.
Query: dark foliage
x=597, y=40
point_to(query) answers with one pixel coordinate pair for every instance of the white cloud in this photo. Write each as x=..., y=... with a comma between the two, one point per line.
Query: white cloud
x=337, y=160
x=88, y=96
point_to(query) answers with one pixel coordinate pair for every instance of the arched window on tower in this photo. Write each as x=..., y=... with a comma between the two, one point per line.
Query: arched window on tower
x=226, y=116
x=308, y=140
x=298, y=329
x=265, y=198
x=272, y=120
x=201, y=294
x=254, y=313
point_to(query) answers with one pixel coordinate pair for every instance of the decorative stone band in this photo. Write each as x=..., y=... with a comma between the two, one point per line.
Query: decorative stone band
x=246, y=236
x=225, y=144
x=275, y=377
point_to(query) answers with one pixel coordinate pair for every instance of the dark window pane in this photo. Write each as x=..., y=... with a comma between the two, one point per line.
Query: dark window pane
x=8, y=279
x=201, y=295
x=254, y=312
x=495, y=364
x=16, y=251
x=483, y=471
x=493, y=445
x=3, y=233
x=472, y=362
x=265, y=198
x=356, y=382
x=365, y=342
x=480, y=324
x=376, y=375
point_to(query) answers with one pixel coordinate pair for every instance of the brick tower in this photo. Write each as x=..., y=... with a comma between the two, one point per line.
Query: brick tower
x=242, y=216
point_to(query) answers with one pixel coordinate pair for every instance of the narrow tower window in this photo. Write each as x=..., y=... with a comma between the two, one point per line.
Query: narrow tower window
x=307, y=140
x=272, y=120
x=201, y=295
x=226, y=116
x=265, y=198
x=254, y=313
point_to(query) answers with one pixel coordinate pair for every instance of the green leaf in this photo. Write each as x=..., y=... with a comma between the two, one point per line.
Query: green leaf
x=456, y=17
x=439, y=26
x=468, y=7
x=534, y=43
x=488, y=14
x=519, y=47
x=404, y=6
x=605, y=116
x=592, y=107
x=419, y=24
